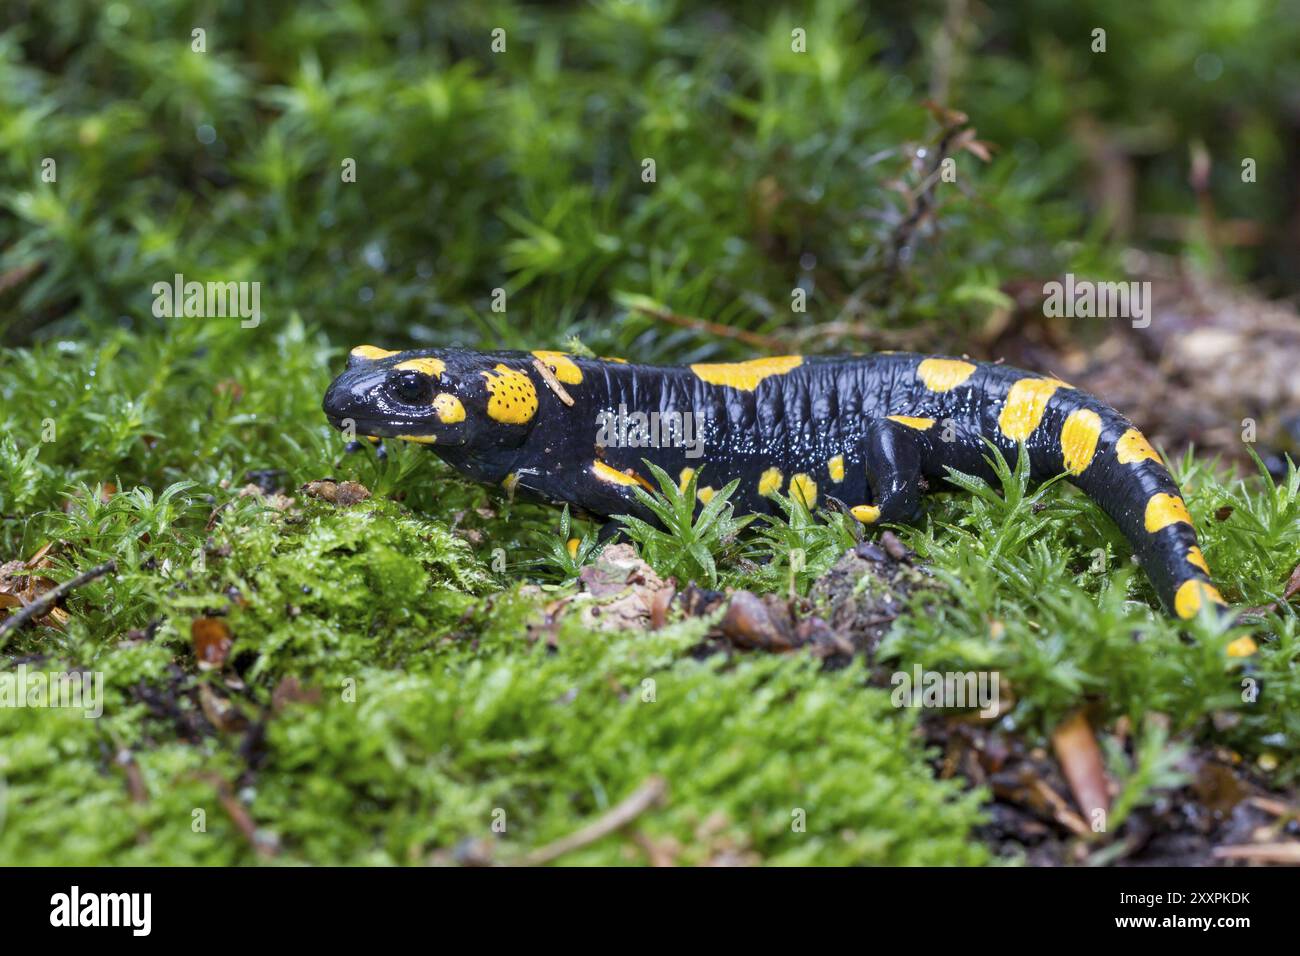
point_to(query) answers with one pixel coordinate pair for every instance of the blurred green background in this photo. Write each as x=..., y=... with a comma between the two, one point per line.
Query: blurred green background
x=522, y=169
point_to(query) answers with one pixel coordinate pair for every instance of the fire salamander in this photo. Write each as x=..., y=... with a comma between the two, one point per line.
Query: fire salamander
x=863, y=430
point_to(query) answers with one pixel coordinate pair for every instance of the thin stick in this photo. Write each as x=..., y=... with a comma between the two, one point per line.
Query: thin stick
x=552, y=382
x=48, y=599
x=264, y=843
x=638, y=802
x=755, y=339
x=923, y=200
x=18, y=275
x=1260, y=852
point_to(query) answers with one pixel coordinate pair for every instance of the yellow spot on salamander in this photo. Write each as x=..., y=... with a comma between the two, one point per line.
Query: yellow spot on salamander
x=920, y=424
x=512, y=396
x=1197, y=559
x=371, y=353
x=836, y=468
x=705, y=494
x=612, y=475
x=1163, y=510
x=1025, y=404
x=867, y=514
x=565, y=369
x=684, y=478
x=419, y=439
x=770, y=481
x=746, y=375
x=1079, y=437
x=1243, y=646
x=510, y=482
x=1133, y=447
x=943, y=375
x=433, y=367
x=803, y=488
x=448, y=408
x=572, y=547
x=611, y=358
x=1191, y=595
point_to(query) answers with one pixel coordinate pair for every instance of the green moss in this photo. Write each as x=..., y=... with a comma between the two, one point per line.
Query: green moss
x=543, y=741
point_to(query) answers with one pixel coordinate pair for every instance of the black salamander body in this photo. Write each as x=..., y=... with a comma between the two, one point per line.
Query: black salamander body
x=861, y=429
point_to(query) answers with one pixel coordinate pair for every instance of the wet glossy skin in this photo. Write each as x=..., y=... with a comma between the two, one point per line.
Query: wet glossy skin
x=861, y=429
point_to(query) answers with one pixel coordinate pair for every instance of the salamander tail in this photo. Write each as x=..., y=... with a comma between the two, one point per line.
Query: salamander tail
x=1115, y=465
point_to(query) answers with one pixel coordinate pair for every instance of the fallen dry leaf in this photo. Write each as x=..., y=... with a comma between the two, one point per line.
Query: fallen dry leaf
x=211, y=639
x=618, y=591
x=289, y=691
x=341, y=493
x=273, y=498
x=749, y=623
x=220, y=710
x=20, y=587
x=1293, y=584
x=1076, y=748
x=228, y=386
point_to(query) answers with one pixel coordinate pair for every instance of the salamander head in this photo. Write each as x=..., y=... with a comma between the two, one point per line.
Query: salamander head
x=448, y=398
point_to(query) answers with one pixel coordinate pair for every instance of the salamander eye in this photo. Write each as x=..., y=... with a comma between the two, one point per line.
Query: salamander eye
x=411, y=388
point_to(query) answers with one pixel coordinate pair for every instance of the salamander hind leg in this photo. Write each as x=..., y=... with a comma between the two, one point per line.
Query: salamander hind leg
x=892, y=455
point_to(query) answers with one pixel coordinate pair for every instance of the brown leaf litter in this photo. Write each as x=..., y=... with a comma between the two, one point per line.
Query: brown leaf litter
x=341, y=493
x=1049, y=806
x=849, y=609
x=1045, y=810
x=1212, y=356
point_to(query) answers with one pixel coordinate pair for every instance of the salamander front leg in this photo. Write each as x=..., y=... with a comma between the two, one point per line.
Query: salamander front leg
x=892, y=458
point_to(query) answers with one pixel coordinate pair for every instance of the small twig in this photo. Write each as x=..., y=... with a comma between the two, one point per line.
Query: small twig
x=216, y=513
x=18, y=275
x=1260, y=852
x=638, y=802
x=264, y=843
x=1199, y=179
x=923, y=199
x=1277, y=808
x=755, y=339
x=135, y=786
x=862, y=332
x=50, y=597
x=552, y=382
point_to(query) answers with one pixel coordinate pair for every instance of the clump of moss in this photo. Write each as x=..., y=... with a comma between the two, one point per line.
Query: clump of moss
x=428, y=717
x=791, y=766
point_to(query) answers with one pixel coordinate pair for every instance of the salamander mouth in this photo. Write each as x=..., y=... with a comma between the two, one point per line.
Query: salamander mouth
x=381, y=428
